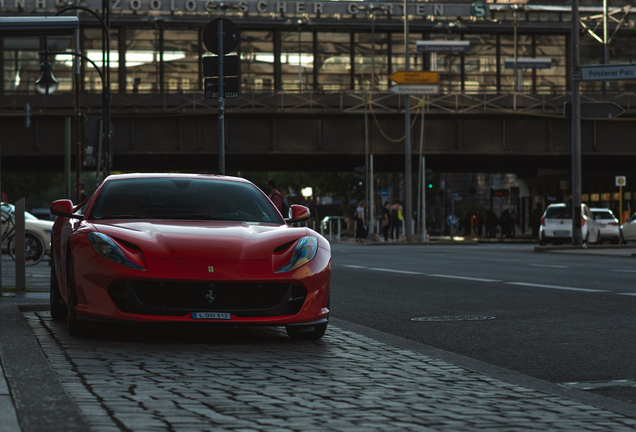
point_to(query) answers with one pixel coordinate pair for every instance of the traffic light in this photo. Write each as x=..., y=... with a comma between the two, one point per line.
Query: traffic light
x=429, y=178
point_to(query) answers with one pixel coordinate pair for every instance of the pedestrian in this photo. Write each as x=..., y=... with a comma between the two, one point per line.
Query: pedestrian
x=396, y=219
x=386, y=220
x=361, y=226
x=276, y=197
x=83, y=194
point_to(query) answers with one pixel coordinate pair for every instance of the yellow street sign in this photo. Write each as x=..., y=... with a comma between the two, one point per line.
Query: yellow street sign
x=408, y=77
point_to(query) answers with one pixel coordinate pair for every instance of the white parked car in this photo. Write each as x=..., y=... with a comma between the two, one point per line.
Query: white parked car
x=40, y=228
x=607, y=223
x=628, y=230
x=556, y=225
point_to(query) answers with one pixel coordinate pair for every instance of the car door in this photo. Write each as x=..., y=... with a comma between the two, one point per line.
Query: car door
x=629, y=228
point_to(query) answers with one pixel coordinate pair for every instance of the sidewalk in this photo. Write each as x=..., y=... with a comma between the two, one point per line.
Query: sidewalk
x=354, y=379
x=600, y=250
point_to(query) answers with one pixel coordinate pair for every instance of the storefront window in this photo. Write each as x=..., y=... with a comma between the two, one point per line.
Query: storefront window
x=257, y=61
x=142, y=61
x=93, y=50
x=297, y=60
x=371, y=61
x=181, y=60
x=334, y=61
x=480, y=64
x=551, y=80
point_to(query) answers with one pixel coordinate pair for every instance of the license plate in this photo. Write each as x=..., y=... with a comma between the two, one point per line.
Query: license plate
x=562, y=233
x=211, y=315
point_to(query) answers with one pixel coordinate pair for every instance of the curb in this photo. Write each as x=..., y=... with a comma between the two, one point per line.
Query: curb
x=542, y=249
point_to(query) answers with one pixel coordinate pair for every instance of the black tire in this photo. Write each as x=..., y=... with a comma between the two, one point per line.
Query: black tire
x=34, y=248
x=598, y=238
x=621, y=239
x=312, y=332
x=58, y=306
x=76, y=327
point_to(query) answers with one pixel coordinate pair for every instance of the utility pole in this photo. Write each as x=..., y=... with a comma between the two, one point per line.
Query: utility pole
x=577, y=235
x=605, y=42
x=407, y=136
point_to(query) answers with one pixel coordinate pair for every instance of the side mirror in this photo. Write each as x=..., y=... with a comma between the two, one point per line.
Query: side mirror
x=62, y=208
x=298, y=213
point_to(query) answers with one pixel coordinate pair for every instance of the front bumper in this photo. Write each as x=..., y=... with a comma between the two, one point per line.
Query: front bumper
x=171, y=290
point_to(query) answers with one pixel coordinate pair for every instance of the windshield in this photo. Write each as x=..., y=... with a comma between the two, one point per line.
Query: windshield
x=605, y=214
x=559, y=213
x=183, y=199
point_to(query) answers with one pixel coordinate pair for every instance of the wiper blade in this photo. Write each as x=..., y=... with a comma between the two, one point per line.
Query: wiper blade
x=190, y=216
x=129, y=216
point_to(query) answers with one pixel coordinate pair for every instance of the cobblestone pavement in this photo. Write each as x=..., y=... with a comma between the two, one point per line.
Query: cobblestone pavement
x=179, y=379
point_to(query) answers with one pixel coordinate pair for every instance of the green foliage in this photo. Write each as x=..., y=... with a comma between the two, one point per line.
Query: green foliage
x=40, y=188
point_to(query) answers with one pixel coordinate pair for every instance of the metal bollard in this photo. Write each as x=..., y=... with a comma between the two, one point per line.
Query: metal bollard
x=339, y=223
x=330, y=230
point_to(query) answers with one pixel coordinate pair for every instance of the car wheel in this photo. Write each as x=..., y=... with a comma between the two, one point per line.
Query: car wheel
x=33, y=248
x=621, y=239
x=310, y=332
x=58, y=306
x=598, y=238
x=76, y=327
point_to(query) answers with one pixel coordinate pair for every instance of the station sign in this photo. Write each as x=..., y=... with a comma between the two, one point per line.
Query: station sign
x=415, y=89
x=528, y=63
x=415, y=77
x=611, y=72
x=272, y=8
x=442, y=47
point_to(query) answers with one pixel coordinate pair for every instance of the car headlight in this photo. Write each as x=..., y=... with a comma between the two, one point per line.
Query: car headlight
x=106, y=247
x=305, y=251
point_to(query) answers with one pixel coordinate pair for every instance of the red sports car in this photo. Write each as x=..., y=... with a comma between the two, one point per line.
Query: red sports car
x=187, y=248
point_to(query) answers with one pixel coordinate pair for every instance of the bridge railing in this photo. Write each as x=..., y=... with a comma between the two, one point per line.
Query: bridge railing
x=315, y=102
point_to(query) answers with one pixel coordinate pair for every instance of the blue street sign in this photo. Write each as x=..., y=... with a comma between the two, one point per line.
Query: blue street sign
x=384, y=193
x=451, y=220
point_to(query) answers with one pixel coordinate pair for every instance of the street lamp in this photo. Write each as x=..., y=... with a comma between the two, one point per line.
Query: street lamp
x=46, y=84
x=107, y=132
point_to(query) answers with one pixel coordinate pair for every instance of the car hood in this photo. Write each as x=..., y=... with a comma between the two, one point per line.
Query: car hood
x=179, y=239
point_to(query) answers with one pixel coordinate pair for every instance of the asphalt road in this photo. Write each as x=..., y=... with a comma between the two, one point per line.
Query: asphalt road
x=560, y=318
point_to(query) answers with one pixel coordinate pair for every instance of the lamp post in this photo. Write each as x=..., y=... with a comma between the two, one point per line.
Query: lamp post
x=407, y=135
x=106, y=130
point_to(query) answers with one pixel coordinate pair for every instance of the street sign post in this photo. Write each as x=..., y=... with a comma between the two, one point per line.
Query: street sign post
x=221, y=36
x=594, y=110
x=611, y=72
x=410, y=77
x=414, y=89
x=620, y=182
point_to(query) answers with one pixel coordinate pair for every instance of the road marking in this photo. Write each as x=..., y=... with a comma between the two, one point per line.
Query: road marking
x=396, y=271
x=631, y=294
x=545, y=265
x=354, y=266
x=624, y=271
x=554, y=287
x=465, y=278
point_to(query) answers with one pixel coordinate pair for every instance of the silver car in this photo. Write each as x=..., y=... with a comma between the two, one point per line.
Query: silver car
x=556, y=225
x=607, y=223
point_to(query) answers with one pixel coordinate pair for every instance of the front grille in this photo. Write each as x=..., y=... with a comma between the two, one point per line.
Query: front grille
x=180, y=298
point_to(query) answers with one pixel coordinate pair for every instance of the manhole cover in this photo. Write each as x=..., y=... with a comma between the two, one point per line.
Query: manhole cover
x=454, y=318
